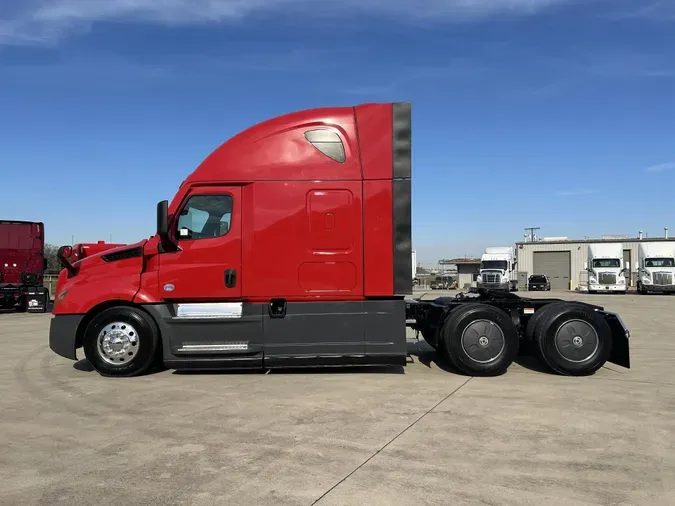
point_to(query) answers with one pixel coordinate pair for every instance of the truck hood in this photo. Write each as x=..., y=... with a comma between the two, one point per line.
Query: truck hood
x=114, y=274
x=652, y=270
x=111, y=255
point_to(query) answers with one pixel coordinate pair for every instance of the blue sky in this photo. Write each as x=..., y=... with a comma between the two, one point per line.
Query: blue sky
x=558, y=114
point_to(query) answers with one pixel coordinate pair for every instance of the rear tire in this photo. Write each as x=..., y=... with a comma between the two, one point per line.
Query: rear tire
x=573, y=340
x=479, y=340
x=121, y=341
x=537, y=317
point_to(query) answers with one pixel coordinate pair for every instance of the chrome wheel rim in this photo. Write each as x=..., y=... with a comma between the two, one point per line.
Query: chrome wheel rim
x=117, y=343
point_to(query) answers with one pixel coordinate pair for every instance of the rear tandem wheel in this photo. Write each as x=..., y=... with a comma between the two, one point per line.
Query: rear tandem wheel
x=571, y=339
x=479, y=340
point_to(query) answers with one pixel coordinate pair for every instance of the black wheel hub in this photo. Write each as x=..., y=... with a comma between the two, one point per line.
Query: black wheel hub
x=576, y=340
x=483, y=341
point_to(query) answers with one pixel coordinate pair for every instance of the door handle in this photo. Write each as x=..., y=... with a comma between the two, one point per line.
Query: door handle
x=230, y=278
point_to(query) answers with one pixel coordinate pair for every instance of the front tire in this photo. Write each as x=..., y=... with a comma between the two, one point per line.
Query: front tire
x=573, y=340
x=121, y=341
x=479, y=340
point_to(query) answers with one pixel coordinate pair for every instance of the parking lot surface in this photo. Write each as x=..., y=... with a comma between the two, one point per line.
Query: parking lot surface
x=410, y=436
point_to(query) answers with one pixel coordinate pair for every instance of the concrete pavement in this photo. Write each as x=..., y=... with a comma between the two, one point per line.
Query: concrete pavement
x=417, y=435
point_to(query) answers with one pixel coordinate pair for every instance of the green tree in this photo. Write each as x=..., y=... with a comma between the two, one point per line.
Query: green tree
x=52, y=260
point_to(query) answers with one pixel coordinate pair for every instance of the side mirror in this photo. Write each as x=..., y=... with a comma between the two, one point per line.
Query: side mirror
x=586, y=266
x=63, y=254
x=163, y=226
x=44, y=264
x=163, y=219
x=627, y=265
x=637, y=266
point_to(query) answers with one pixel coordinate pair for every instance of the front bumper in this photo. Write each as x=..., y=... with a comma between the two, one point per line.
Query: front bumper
x=63, y=334
x=535, y=288
x=493, y=286
x=607, y=288
x=659, y=288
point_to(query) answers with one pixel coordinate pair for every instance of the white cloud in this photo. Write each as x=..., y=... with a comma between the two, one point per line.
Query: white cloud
x=45, y=21
x=579, y=191
x=660, y=167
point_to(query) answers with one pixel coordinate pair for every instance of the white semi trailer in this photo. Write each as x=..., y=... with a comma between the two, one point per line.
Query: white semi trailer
x=605, y=270
x=498, y=269
x=656, y=267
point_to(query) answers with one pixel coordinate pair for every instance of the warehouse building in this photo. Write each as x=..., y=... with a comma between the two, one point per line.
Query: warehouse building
x=467, y=270
x=563, y=260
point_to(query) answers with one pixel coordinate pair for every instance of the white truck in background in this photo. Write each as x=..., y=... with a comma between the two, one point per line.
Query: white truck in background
x=605, y=270
x=656, y=267
x=498, y=269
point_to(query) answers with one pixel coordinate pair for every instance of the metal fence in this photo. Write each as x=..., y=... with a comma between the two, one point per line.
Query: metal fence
x=49, y=282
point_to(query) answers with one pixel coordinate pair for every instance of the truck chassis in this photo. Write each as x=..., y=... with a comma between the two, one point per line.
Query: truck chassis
x=481, y=334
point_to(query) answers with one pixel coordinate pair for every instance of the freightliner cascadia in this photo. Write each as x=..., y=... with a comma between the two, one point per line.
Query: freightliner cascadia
x=290, y=245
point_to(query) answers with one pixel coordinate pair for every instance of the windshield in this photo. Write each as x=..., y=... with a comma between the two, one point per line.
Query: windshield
x=538, y=279
x=494, y=264
x=606, y=262
x=660, y=262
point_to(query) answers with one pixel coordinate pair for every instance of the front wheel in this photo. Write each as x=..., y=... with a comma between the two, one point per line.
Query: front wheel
x=479, y=340
x=121, y=341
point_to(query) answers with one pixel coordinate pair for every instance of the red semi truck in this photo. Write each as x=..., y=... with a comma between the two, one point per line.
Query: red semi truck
x=290, y=245
x=22, y=265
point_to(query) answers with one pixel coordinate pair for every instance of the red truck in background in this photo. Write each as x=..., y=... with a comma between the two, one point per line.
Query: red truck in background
x=290, y=245
x=22, y=264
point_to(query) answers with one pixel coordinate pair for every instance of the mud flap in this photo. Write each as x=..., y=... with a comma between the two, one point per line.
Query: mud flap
x=620, y=340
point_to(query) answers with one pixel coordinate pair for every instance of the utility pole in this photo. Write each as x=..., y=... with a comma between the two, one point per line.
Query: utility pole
x=531, y=233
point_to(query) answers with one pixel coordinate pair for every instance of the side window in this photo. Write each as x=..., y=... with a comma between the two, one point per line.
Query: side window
x=328, y=143
x=205, y=216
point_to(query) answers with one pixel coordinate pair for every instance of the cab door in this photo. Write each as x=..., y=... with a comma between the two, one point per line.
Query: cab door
x=207, y=265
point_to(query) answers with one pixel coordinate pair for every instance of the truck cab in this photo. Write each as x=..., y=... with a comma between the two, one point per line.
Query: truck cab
x=606, y=272
x=260, y=259
x=656, y=267
x=498, y=269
